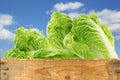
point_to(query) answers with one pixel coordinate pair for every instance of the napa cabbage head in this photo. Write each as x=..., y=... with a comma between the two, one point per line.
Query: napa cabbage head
x=29, y=39
x=91, y=37
x=83, y=37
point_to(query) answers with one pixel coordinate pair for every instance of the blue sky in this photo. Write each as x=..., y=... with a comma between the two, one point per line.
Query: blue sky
x=36, y=14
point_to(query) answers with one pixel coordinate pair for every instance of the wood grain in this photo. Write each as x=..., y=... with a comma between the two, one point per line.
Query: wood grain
x=49, y=69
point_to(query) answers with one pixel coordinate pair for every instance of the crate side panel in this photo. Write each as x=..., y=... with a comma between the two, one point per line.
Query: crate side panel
x=55, y=69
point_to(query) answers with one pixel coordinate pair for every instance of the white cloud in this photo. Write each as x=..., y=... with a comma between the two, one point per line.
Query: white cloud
x=73, y=14
x=6, y=34
x=67, y=6
x=5, y=20
x=115, y=27
x=112, y=18
x=71, y=7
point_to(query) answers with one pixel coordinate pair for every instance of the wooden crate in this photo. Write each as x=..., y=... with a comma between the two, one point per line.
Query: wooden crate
x=49, y=69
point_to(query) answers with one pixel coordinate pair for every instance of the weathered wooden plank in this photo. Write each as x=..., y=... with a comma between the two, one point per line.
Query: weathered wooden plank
x=42, y=69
